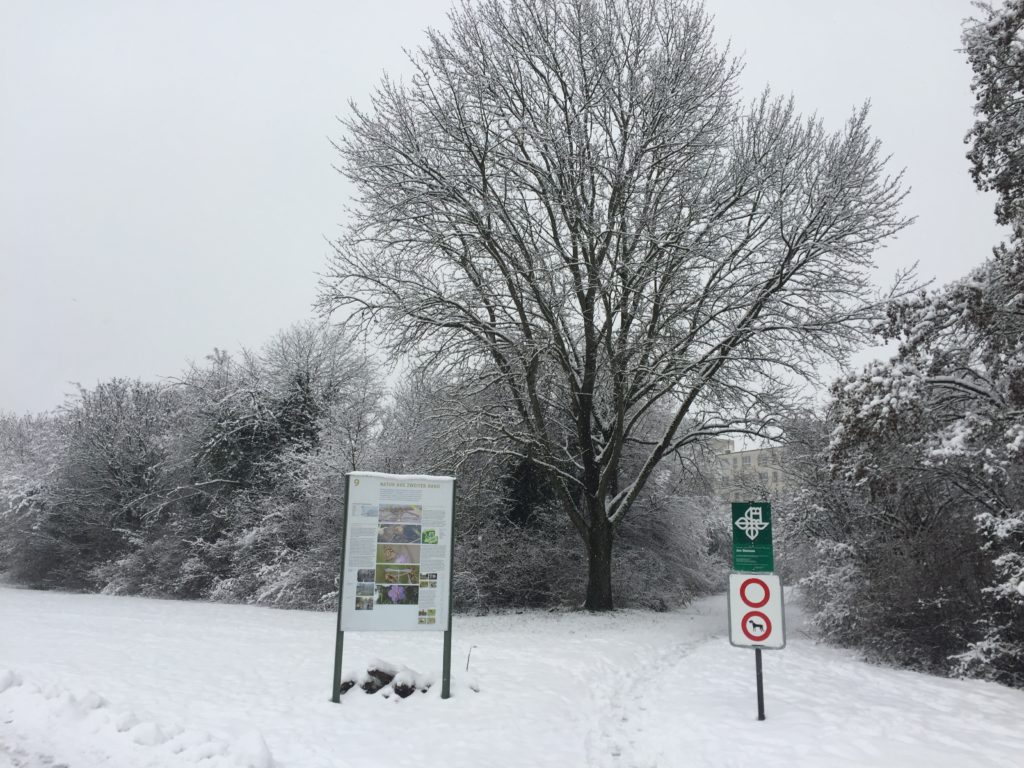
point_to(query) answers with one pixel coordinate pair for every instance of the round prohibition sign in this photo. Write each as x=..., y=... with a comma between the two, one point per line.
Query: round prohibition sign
x=765, y=594
x=757, y=620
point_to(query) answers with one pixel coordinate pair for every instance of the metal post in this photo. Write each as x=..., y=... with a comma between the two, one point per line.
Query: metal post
x=446, y=666
x=339, y=641
x=339, y=645
x=446, y=663
x=760, y=684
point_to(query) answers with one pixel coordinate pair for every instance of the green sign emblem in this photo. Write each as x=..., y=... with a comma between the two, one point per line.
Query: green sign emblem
x=752, y=537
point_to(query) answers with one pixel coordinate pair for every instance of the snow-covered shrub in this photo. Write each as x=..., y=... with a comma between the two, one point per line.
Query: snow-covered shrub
x=504, y=564
x=662, y=558
x=893, y=563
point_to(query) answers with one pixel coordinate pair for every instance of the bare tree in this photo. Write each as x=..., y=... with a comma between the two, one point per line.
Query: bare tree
x=566, y=208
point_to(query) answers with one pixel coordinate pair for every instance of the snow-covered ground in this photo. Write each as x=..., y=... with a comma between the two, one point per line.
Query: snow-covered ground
x=89, y=681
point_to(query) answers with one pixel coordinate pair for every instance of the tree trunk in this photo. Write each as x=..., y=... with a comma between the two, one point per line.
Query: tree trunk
x=599, y=566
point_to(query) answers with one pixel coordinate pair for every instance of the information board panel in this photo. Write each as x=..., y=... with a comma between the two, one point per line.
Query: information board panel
x=752, y=537
x=396, y=565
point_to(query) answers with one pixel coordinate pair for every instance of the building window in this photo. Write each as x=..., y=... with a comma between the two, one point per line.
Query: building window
x=775, y=476
x=746, y=461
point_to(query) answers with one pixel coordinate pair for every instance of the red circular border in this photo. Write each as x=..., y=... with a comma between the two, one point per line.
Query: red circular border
x=743, y=592
x=767, y=627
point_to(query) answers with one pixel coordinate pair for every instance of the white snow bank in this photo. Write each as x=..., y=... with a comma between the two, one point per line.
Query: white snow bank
x=46, y=725
x=93, y=681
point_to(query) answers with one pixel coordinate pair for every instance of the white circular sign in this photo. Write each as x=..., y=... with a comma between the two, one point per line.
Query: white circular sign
x=754, y=592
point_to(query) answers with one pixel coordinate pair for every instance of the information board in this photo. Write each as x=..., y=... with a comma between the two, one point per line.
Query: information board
x=396, y=563
x=752, y=537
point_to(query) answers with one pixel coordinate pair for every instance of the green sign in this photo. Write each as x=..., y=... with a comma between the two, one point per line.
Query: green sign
x=752, y=537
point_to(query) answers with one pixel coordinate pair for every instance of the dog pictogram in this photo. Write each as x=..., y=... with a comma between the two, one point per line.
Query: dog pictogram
x=756, y=626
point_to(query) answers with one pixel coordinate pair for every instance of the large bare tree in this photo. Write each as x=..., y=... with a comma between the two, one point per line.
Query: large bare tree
x=568, y=210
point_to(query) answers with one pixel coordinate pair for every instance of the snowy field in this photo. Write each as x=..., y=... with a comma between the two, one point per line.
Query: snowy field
x=89, y=680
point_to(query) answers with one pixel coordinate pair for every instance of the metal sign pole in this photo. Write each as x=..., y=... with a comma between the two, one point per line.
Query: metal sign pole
x=760, y=684
x=446, y=663
x=339, y=642
x=446, y=666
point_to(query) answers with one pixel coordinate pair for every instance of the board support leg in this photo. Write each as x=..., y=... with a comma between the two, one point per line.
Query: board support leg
x=446, y=666
x=339, y=646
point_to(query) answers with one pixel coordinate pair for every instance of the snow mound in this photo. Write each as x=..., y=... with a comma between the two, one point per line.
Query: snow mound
x=8, y=679
x=387, y=678
x=52, y=725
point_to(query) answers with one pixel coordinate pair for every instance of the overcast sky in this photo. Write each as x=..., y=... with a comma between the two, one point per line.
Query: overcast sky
x=165, y=170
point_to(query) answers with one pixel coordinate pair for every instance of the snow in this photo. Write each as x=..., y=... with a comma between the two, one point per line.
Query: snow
x=405, y=478
x=95, y=680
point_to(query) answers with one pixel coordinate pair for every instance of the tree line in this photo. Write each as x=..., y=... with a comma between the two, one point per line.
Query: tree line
x=227, y=483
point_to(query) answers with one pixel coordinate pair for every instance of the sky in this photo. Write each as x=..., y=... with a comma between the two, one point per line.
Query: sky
x=166, y=180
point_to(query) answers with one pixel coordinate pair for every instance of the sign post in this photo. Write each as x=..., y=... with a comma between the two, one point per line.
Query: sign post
x=760, y=683
x=446, y=660
x=756, y=619
x=396, y=560
x=339, y=639
x=756, y=615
